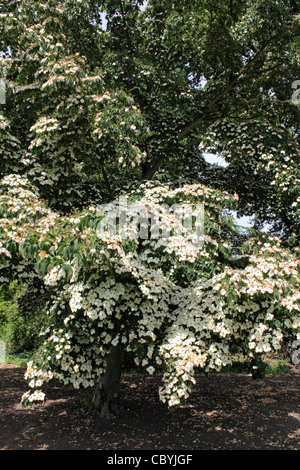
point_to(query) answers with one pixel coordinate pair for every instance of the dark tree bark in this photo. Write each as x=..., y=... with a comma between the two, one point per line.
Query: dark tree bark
x=106, y=394
x=258, y=368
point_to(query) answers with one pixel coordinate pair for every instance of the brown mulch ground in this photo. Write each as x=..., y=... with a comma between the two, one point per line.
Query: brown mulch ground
x=224, y=412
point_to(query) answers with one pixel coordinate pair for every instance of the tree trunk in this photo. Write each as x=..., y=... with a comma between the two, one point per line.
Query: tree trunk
x=106, y=394
x=258, y=368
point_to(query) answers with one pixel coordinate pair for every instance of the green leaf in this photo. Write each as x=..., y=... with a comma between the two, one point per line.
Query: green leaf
x=67, y=271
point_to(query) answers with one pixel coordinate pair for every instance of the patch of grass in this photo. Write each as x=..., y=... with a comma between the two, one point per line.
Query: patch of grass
x=20, y=359
x=14, y=356
x=276, y=367
x=273, y=366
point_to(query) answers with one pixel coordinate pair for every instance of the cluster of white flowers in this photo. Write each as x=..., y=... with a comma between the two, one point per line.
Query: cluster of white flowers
x=182, y=353
x=274, y=154
x=54, y=276
x=120, y=295
x=100, y=314
x=37, y=397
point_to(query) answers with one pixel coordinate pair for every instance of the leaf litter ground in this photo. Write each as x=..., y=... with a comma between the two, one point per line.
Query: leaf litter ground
x=224, y=412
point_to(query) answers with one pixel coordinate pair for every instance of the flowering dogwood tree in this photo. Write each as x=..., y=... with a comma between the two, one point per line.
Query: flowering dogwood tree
x=107, y=202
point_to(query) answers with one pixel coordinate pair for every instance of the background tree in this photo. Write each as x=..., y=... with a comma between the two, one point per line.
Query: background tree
x=93, y=113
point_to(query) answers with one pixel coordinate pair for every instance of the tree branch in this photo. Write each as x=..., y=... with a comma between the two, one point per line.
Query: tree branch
x=227, y=89
x=240, y=78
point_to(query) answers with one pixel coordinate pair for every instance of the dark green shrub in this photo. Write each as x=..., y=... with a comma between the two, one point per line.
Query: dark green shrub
x=22, y=309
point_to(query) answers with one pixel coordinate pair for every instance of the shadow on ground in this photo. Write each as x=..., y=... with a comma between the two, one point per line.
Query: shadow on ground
x=224, y=412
